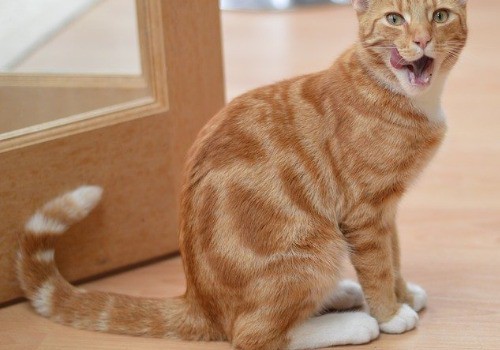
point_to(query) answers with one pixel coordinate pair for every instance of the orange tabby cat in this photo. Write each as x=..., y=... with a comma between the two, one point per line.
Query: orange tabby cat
x=281, y=186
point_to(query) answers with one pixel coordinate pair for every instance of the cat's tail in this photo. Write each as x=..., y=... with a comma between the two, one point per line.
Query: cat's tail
x=53, y=297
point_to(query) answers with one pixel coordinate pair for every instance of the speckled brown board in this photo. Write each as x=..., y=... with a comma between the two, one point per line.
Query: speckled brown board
x=137, y=155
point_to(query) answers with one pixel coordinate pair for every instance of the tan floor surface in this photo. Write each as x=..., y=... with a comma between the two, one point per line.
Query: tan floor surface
x=449, y=222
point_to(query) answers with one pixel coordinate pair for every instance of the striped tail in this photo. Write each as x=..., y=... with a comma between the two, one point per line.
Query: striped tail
x=53, y=297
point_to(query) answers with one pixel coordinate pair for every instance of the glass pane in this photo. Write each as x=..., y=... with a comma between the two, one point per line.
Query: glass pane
x=61, y=58
x=69, y=36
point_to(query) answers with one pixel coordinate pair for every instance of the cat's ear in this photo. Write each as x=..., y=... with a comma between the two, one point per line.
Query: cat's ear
x=462, y=2
x=362, y=5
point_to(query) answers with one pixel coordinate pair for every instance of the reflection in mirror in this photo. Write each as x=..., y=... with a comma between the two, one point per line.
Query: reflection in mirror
x=63, y=59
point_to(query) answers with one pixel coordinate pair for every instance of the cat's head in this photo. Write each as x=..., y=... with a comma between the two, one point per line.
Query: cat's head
x=410, y=44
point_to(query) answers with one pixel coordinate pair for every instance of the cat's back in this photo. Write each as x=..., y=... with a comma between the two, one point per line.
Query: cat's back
x=264, y=125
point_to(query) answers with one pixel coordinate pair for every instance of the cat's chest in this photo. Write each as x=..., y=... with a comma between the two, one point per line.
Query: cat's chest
x=380, y=154
x=380, y=163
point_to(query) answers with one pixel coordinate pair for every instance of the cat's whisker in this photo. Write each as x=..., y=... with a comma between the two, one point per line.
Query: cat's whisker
x=451, y=52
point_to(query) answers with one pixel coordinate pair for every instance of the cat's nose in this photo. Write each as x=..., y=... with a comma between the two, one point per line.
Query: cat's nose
x=422, y=40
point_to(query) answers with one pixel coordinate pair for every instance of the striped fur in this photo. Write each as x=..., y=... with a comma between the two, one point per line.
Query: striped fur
x=53, y=297
x=282, y=185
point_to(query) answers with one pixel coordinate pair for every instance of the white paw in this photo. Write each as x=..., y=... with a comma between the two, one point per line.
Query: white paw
x=358, y=328
x=348, y=295
x=334, y=329
x=405, y=320
x=419, y=296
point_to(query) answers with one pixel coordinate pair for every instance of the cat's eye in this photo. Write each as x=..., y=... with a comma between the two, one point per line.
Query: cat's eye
x=395, y=19
x=441, y=16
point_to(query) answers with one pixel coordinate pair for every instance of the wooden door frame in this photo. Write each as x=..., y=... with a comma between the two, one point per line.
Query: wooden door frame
x=136, y=152
x=152, y=53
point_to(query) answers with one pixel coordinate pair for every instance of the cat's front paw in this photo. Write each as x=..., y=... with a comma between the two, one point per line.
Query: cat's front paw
x=405, y=319
x=419, y=296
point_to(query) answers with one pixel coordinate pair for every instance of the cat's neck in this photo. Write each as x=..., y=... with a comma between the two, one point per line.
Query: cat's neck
x=427, y=103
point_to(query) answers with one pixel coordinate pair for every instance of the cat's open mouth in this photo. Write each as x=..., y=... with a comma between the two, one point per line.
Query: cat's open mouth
x=419, y=71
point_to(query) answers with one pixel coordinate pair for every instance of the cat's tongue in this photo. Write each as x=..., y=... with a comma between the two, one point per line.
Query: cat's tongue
x=397, y=60
x=419, y=71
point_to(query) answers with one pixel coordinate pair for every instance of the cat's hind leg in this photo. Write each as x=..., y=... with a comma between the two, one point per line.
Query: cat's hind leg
x=418, y=299
x=278, y=308
x=348, y=295
x=254, y=331
x=334, y=329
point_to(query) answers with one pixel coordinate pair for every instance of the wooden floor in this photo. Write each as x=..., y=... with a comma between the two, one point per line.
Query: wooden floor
x=449, y=222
